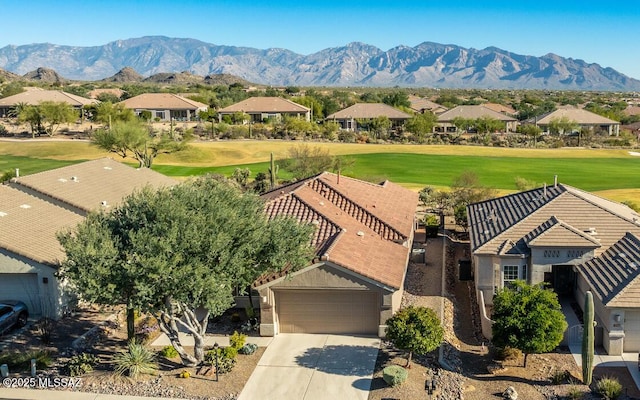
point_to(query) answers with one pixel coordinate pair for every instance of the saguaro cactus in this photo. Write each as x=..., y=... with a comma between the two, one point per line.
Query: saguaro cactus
x=273, y=173
x=587, y=339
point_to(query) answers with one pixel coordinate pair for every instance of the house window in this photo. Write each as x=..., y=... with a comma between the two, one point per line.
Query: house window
x=509, y=275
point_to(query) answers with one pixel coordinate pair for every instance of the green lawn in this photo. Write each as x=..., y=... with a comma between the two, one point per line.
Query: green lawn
x=416, y=170
x=615, y=173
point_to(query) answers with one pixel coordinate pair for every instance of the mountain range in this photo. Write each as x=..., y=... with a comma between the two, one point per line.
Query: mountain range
x=355, y=64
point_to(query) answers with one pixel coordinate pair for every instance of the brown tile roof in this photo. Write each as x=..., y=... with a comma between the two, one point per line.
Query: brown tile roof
x=360, y=226
x=162, y=101
x=369, y=110
x=615, y=275
x=265, y=105
x=631, y=110
x=501, y=108
x=555, y=233
x=578, y=115
x=35, y=97
x=29, y=225
x=86, y=185
x=420, y=104
x=472, y=112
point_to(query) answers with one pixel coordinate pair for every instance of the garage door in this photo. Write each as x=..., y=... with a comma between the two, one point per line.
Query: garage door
x=632, y=331
x=328, y=311
x=23, y=287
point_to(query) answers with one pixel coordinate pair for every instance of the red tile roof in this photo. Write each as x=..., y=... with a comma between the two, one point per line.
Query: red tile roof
x=360, y=226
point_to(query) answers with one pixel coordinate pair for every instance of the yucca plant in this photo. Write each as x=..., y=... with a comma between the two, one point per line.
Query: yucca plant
x=136, y=360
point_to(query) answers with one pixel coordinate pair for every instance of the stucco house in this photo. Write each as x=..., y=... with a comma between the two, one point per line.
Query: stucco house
x=165, y=106
x=363, y=238
x=262, y=108
x=583, y=118
x=34, y=208
x=348, y=118
x=446, y=119
x=35, y=96
x=421, y=105
x=571, y=239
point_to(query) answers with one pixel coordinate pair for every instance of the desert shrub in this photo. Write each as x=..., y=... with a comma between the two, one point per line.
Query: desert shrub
x=237, y=340
x=609, y=388
x=21, y=361
x=169, y=352
x=225, y=361
x=575, y=393
x=136, y=360
x=44, y=328
x=81, y=364
x=560, y=377
x=248, y=349
x=394, y=375
x=508, y=353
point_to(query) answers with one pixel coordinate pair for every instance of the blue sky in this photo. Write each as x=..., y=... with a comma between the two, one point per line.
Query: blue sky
x=605, y=32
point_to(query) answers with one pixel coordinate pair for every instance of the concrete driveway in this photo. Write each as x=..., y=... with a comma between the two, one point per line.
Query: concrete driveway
x=314, y=367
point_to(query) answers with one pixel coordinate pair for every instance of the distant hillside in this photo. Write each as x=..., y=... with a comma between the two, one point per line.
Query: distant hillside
x=356, y=64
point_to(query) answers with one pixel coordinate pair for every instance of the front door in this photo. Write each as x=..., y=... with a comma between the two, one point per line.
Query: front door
x=563, y=279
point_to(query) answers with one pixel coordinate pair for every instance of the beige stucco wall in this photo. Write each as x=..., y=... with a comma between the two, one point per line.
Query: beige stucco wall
x=52, y=296
x=327, y=276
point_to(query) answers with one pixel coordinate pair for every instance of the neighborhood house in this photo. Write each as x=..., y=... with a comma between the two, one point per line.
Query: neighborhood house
x=570, y=239
x=363, y=238
x=34, y=208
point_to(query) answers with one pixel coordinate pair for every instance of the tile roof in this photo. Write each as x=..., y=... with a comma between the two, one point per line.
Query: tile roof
x=35, y=97
x=29, y=225
x=614, y=277
x=369, y=110
x=501, y=108
x=631, y=110
x=360, y=226
x=34, y=208
x=162, y=101
x=419, y=104
x=265, y=105
x=516, y=217
x=578, y=115
x=563, y=216
x=472, y=112
x=86, y=185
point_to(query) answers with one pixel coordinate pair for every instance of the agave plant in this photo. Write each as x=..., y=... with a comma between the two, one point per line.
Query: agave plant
x=136, y=360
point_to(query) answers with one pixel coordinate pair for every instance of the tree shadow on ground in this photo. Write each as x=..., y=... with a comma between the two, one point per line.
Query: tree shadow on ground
x=346, y=360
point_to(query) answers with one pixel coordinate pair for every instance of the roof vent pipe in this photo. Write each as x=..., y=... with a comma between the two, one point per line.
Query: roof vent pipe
x=17, y=172
x=555, y=181
x=545, y=191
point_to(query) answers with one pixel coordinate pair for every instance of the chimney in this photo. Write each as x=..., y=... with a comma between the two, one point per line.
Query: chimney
x=555, y=181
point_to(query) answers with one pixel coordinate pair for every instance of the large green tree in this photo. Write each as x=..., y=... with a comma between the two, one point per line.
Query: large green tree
x=416, y=330
x=421, y=125
x=138, y=141
x=528, y=318
x=174, y=250
x=55, y=113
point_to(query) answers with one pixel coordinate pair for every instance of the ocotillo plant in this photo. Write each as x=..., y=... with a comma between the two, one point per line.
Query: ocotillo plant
x=587, y=339
x=273, y=173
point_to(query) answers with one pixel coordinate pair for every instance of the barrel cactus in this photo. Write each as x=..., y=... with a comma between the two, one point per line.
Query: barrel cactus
x=587, y=339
